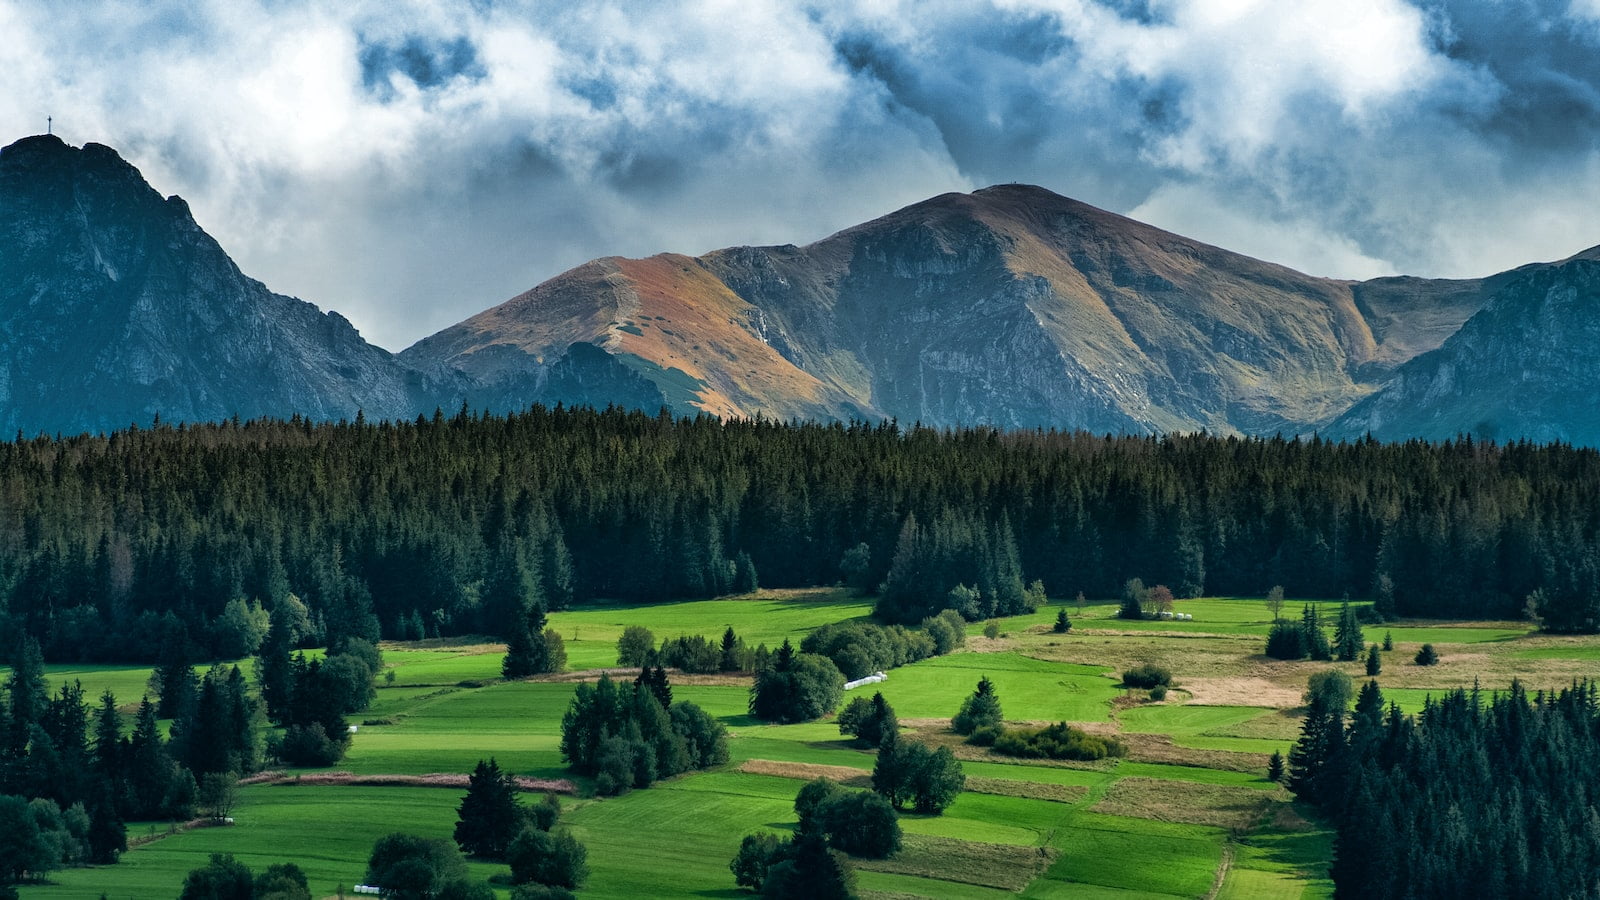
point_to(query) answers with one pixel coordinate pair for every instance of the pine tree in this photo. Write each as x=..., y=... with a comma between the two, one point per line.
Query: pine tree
x=888, y=775
x=523, y=652
x=1388, y=642
x=1374, y=662
x=1063, y=624
x=981, y=709
x=489, y=817
x=1275, y=767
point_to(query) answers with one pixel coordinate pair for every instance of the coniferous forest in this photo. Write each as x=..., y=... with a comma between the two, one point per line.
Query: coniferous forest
x=114, y=546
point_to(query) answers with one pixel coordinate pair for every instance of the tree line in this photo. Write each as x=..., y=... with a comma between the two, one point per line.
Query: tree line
x=1484, y=796
x=112, y=546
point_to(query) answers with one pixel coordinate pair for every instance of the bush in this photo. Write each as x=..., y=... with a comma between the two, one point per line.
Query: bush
x=1158, y=693
x=985, y=736
x=1427, y=656
x=284, y=881
x=548, y=857
x=1148, y=675
x=1058, y=741
x=991, y=630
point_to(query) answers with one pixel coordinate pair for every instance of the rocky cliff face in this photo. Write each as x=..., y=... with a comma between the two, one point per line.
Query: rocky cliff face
x=1010, y=306
x=115, y=307
x=1521, y=367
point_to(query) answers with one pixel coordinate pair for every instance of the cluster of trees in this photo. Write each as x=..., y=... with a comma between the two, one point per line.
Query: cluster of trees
x=1484, y=796
x=868, y=720
x=812, y=863
x=932, y=566
x=410, y=867
x=1140, y=602
x=226, y=878
x=690, y=653
x=111, y=544
x=70, y=778
x=493, y=825
x=310, y=699
x=1308, y=639
x=908, y=772
x=628, y=736
x=795, y=687
x=860, y=648
x=1058, y=741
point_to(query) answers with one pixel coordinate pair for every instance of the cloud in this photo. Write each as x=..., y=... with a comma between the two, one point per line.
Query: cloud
x=412, y=163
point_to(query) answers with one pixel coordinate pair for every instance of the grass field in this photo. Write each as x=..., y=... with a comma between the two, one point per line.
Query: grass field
x=1158, y=824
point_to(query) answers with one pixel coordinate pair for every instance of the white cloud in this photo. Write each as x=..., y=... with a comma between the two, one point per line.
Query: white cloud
x=1334, y=136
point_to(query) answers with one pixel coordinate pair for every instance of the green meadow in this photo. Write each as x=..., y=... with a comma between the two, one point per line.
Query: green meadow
x=1188, y=813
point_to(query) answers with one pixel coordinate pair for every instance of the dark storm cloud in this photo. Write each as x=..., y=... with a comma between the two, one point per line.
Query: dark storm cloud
x=411, y=163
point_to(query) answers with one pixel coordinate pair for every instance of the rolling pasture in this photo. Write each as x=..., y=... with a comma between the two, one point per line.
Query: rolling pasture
x=1188, y=813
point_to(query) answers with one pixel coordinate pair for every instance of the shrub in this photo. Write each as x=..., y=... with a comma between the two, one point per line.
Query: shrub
x=985, y=736
x=1158, y=693
x=991, y=630
x=1148, y=675
x=1058, y=741
x=536, y=891
x=1427, y=656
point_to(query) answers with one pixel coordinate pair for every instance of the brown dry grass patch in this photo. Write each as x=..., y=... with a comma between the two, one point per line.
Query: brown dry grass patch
x=1241, y=691
x=1159, y=748
x=807, y=772
x=999, y=866
x=1027, y=790
x=1218, y=805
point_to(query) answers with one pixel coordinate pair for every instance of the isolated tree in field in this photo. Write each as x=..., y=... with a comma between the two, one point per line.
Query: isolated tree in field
x=867, y=720
x=489, y=816
x=1374, y=662
x=1063, y=624
x=555, y=651
x=1388, y=641
x=1275, y=767
x=553, y=858
x=1134, y=595
x=1427, y=656
x=636, y=646
x=1275, y=602
x=981, y=709
x=757, y=853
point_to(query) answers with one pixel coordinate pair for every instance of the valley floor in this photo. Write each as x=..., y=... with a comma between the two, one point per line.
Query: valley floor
x=1189, y=813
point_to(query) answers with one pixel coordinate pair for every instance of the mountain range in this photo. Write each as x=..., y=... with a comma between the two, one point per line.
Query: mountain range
x=1009, y=306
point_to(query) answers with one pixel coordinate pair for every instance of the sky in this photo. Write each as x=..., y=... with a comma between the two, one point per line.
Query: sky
x=412, y=163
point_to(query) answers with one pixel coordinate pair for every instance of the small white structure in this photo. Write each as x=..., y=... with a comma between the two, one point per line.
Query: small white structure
x=874, y=678
x=1168, y=614
x=353, y=728
x=1185, y=617
x=367, y=889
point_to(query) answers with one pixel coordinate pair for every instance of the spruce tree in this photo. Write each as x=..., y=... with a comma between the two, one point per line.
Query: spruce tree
x=1347, y=641
x=489, y=816
x=981, y=709
x=1063, y=624
x=729, y=659
x=1275, y=767
x=1374, y=662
